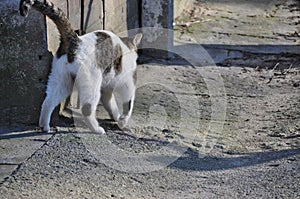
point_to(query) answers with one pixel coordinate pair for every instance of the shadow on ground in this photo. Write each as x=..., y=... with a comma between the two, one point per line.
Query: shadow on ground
x=191, y=160
x=228, y=55
x=208, y=163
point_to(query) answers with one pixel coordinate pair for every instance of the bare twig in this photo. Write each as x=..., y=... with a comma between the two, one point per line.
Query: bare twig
x=274, y=68
x=287, y=70
x=272, y=73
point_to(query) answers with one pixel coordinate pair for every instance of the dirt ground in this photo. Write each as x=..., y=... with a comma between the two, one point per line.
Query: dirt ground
x=240, y=22
x=196, y=132
x=255, y=155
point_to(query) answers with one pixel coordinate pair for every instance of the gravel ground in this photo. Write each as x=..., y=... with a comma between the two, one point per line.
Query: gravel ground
x=256, y=155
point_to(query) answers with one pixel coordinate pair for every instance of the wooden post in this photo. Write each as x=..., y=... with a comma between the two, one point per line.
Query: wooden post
x=157, y=25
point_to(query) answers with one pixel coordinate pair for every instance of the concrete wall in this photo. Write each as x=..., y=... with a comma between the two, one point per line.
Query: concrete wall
x=93, y=18
x=158, y=15
x=121, y=16
x=24, y=64
x=117, y=16
x=52, y=32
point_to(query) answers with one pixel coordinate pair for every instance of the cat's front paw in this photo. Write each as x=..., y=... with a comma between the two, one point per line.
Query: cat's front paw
x=43, y=125
x=100, y=130
x=45, y=128
x=123, y=120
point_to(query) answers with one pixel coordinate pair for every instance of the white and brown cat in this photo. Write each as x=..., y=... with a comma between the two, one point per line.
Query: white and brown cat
x=100, y=62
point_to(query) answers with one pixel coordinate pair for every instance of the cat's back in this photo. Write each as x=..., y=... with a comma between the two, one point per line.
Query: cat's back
x=98, y=39
x=100, y=48
x=106, y=51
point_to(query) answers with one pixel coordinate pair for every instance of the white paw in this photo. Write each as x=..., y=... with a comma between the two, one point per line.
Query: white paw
x=100, y=130
x=46, y=129
x=44, y=126
x=41, y=123
x=123, y=120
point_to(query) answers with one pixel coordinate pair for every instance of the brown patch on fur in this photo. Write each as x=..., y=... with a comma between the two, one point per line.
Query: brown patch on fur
x=104, y=51
x=118, y=58
x=135, y=76
x=86, y=109
x=61, y=50
x=107, y=55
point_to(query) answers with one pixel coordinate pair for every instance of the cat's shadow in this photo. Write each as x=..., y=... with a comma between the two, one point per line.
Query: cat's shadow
x=72, y=118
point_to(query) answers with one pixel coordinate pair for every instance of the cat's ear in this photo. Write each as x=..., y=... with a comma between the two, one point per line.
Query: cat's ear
x=137, y=39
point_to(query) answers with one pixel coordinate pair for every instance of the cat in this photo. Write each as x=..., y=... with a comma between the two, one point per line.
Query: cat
x=101, y=64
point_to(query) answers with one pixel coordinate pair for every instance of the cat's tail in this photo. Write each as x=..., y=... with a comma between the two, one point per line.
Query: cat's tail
x=69, y=39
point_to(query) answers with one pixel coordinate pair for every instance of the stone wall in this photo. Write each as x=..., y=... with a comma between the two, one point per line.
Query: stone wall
x=24, y=64
x=117, y=16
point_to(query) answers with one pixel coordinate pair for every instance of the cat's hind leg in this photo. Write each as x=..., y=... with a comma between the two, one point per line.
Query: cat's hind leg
x=59, y=88
x=89, y=84
x=109, y=102
x=127, y=112
x=127, y=93
x=89, y=114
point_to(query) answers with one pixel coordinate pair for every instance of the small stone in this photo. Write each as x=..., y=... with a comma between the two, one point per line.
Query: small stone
x=169, y=136
x=292, y=136
x=266, y=146
x=292, y=159
x=277, y=134
x=274, y=165
x=167, y=131
x=195, y=144
x=231, y=152
x=217, y=146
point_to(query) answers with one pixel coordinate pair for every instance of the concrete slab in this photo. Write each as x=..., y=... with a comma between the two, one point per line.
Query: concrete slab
x=247, y=33
x=16, y=146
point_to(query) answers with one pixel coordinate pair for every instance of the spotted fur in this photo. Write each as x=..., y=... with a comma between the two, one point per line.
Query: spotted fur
x=113, y=55
x=101, y=62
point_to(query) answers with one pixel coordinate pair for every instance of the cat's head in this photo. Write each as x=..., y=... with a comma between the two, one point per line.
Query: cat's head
x=25, y=6
x=133, y=43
